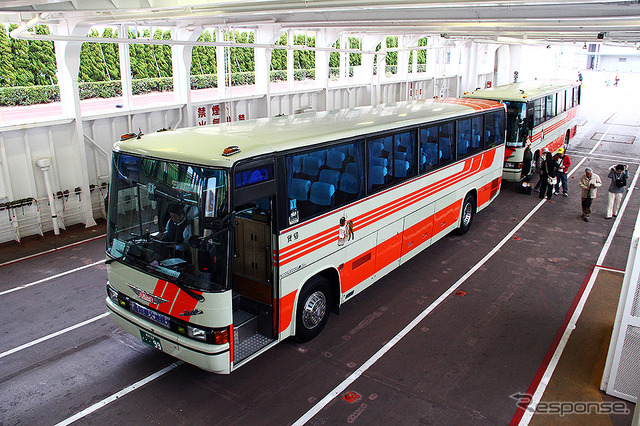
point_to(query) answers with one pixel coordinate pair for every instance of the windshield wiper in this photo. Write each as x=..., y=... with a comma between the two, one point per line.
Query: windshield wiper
x=114, y=259
x=198, y=297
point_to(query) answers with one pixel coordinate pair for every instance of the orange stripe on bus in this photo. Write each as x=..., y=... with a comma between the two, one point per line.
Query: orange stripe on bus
x=392, y=207
x=157, y=291
x=184, y=304
x=472, y=166
x=308, y=242
x=286, y=310
x=363, y=266
x=169, y=293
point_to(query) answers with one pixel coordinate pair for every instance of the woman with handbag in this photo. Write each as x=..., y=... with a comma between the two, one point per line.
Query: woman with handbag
x=548, y=177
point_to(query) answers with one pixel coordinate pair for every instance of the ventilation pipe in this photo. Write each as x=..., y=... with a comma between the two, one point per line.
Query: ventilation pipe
x=45, y=164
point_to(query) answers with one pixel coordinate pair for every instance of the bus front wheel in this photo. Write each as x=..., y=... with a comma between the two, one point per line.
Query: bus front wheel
x=468, y=210
x=313, y=309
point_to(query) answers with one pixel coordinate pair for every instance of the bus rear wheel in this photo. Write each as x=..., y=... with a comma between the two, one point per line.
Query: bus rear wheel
x=466, y=218
x=313, y=309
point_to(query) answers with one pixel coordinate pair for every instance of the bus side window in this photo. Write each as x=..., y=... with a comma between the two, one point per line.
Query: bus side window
x=494, y=128
x=445, y=138
x=477, y=140
x=428, y=148
x=403, y=157
x=550, y=107
x=378, y=167
x=538, y=111
x=464, y=137
x=350, y=181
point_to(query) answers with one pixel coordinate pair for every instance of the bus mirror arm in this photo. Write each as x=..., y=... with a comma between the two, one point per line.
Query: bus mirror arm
x=218, y=224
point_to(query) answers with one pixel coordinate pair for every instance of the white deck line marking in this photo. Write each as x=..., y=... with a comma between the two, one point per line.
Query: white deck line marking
x=52, y=250
x=546, y=378
x=382, y=351
x=52, y=277
x=51, y=336
x=604, y=268
x=98, y=405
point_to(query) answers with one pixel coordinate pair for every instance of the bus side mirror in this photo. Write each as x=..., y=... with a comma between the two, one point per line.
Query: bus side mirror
x=194, y=241
x=218, y=223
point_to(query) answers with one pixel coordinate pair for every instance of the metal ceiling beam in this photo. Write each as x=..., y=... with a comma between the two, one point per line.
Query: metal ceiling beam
x=548, y=20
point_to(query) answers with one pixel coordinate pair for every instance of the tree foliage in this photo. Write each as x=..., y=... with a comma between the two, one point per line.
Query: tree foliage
x=27, y=62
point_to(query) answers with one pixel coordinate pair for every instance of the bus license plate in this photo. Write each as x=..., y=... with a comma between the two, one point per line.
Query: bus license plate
x=150, y=340
x=152, y=315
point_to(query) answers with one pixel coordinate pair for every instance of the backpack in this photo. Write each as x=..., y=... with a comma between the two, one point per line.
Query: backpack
x=621, y=180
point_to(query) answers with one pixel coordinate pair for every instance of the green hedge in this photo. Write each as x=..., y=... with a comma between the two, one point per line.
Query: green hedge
x=100, y=89
x=28, y=95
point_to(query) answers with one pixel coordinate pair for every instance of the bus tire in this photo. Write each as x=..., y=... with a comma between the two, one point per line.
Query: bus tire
x=466, y=216
x=314, y=305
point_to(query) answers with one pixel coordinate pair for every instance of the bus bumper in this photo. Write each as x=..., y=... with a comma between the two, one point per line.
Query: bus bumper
x=512, y=175
x=212, y=358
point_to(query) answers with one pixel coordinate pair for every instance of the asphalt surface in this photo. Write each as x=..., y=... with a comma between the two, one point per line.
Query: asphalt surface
x=459, y=365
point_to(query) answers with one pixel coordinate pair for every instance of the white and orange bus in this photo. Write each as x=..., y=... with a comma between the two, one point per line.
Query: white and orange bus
x=224, y=240
x=540, y=114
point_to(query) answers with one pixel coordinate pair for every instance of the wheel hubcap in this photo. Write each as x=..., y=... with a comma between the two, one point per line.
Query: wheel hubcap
x=466, y=217
x=314, y=310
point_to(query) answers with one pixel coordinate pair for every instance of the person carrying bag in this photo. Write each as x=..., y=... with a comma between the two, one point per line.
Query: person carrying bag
x=548, y=177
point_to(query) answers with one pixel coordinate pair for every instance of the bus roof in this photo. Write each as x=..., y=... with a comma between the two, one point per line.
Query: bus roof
x=204, y=145
x=520, y=91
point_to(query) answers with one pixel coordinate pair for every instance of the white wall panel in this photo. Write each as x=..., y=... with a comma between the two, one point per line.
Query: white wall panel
x=22, y=144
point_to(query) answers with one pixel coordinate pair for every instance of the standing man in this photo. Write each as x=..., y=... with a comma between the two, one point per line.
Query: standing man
x=589, y=182
x=538, y=160
x=564, y=162
x=619, y=175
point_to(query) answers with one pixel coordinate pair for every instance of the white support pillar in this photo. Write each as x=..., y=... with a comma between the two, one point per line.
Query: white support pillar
x=344, y=59
x=469, y=66
x=324, y=38
x=502, y=66
x=515, y=62
x=369, y=43
x=414, y=63
x=290, y=64
x=473, y=67
x=433, y=57
x=265, y=34
x=181, y=62
x=220, y=64
x=68, y=62
x=403, y=56
x=125, y=69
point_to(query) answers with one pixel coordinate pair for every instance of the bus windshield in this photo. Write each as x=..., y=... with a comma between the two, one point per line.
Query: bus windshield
x=516, y=123
x=170, y=220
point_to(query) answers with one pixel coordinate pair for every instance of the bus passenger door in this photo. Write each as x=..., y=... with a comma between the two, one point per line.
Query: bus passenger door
x=252, y=280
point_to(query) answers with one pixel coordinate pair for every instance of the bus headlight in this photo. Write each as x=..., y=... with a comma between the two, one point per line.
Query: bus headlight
x=112, y=293
x=196, y=333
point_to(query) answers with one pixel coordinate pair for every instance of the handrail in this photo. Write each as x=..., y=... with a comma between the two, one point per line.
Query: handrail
x=106, y=154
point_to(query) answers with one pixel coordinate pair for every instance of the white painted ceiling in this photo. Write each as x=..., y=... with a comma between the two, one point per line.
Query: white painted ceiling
x=547, y=21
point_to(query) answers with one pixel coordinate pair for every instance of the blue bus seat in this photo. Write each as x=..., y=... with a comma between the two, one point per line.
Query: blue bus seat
x=322, y=193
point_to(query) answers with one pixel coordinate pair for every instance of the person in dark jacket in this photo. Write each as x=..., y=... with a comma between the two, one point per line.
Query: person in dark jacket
x=619, y=176
x=548, y=177
x=177, y=230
